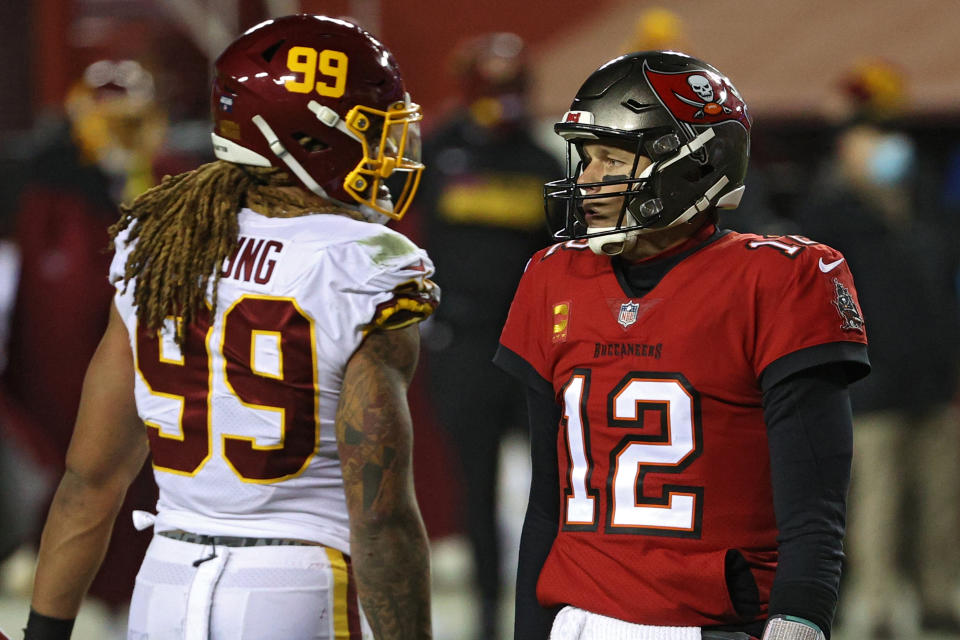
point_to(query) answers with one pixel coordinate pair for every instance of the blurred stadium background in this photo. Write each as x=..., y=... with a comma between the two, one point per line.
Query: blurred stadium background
x=797, y=64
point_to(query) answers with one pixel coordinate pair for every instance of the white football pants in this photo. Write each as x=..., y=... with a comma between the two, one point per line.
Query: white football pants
x=244, y=593
x=576, y=624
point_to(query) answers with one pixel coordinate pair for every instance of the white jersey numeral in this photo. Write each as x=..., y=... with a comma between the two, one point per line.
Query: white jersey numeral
x=788, y=249
x=581, y=506
x=629, y=508
x=677, y=510
x=789, y=246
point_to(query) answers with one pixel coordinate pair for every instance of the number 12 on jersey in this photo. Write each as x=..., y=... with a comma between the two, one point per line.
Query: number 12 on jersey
x=670, y=449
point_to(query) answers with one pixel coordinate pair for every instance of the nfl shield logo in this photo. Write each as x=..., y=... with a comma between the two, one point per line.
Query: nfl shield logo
x=628, y=314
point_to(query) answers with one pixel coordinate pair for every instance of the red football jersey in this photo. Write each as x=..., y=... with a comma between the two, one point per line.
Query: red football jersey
x=662, y=445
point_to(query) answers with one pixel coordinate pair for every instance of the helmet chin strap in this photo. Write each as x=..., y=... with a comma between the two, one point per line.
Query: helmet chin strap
x=281, y=152
x=612, y=244
x=273, y=141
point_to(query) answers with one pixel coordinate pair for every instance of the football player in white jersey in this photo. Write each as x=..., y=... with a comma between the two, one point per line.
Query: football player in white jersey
x=259, y=350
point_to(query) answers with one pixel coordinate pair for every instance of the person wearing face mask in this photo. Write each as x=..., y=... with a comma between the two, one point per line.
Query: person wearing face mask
x=117, y=124
x=905, y=490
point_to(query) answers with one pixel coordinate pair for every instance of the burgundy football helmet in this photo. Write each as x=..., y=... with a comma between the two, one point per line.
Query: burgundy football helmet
x=680, y=112
x=324, y=100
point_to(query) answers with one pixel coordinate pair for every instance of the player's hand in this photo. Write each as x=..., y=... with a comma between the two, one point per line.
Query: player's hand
x=782, y=627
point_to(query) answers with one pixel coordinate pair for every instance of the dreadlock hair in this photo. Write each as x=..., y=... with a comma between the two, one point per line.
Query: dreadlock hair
x=186, y=227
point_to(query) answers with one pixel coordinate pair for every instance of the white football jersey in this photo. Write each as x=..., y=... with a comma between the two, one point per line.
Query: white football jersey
x=241, y=417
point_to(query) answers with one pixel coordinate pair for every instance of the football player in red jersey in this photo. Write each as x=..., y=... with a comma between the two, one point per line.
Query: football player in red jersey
x=259, y=348
x=687, y=385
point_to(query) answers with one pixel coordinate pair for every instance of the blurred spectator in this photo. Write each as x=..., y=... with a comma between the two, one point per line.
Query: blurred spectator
x=99, y=154
x=946, y=184
x=9, y=271
x=482, y=200
x=757, y=213
x=905, y=495
x=657, y=28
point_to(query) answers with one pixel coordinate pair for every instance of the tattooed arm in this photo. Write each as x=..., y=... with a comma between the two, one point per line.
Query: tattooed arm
x=388, y=542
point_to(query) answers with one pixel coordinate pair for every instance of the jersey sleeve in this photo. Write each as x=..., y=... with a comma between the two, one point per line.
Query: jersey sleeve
x=524, y=342
x=399, y=289
x=808, y=314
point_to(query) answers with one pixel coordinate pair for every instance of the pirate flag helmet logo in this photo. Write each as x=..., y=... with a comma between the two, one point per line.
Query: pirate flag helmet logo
x=679, y=112
x=700, y=97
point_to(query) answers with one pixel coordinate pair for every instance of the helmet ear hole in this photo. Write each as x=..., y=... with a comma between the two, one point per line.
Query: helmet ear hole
x=701, y=171
x=309, y=143
x=693, y=174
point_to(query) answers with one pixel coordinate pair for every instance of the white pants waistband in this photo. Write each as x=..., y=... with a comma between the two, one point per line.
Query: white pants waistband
x=576, y=624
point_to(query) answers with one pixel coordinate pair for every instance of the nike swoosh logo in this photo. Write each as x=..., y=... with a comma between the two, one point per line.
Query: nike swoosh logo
x=827, y=267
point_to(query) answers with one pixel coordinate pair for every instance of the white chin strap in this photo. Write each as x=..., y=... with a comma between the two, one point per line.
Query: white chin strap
x=226, y=149
x=230, y=151
x=292, y=163
x=614, y=243
x=609, y=245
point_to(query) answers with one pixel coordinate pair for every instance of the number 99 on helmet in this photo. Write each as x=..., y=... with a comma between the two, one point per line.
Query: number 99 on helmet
x=324, y=100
